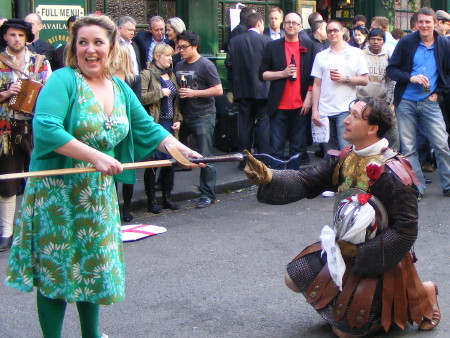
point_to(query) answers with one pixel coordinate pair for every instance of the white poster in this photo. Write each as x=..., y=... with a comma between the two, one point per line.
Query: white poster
x=234, y=17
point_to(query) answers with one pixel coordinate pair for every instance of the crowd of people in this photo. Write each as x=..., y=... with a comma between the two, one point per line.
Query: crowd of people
x=111, y=96
x=315, y=75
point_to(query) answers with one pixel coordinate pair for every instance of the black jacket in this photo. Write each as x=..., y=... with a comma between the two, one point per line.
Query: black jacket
x=401, y=63
x=244, y=56
x=143, y=40
x=42, y=47
x=274, y=59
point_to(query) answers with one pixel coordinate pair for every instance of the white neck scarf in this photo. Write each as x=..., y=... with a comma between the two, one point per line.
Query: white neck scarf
x=373, y=149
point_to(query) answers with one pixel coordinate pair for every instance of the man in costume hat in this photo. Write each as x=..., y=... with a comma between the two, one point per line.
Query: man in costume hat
x=15, y=126
x=379, y=270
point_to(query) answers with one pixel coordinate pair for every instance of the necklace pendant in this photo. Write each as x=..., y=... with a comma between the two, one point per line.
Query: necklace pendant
x=109, y=122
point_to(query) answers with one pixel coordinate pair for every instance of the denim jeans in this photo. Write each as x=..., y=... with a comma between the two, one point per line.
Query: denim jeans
x=288, y=125
x=202, y=129
x=337, y=129
x=423, y=147
x=428, y=113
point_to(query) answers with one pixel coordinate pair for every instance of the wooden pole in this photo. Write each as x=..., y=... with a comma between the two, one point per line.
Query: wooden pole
x=69, y=171
x=178, y=159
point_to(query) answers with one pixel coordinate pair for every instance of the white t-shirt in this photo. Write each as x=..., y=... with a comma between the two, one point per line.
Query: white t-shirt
x=335, y=97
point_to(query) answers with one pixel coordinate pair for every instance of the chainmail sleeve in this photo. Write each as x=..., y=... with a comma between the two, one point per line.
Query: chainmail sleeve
x=386, y=250
x=289, y=186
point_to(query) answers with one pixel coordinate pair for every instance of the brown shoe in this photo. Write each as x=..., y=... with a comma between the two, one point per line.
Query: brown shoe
x=432, y=292
x=427, y=168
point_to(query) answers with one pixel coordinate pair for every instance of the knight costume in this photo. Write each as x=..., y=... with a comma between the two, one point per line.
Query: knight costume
x=382, y=264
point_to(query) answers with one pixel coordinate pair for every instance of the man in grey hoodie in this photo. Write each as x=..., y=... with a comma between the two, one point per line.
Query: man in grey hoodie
x=379, y=86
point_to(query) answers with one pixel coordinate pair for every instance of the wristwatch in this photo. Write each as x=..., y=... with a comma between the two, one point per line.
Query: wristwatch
x=347, y=79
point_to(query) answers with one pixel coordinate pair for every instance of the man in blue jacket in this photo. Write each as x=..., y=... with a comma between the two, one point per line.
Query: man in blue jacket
x=421, y=68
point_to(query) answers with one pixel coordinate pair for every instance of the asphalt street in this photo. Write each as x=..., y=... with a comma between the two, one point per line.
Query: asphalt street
x=218, y=272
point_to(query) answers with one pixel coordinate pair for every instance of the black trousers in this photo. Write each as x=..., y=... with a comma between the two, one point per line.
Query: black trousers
x=253, y=114
x=17, y=159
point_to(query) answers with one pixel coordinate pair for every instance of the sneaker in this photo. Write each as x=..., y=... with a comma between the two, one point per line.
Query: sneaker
x=204, y=202
x=419, y=198
x=446, y=193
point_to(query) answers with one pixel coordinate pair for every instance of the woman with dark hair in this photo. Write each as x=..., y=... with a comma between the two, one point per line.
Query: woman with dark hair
x=68, y=241
x=359, y=37
x=159, y=91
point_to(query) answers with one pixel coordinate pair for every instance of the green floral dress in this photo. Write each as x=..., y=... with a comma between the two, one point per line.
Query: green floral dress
x=67, y=239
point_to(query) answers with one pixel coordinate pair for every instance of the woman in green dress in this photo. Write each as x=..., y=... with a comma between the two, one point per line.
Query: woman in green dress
x=68, y=239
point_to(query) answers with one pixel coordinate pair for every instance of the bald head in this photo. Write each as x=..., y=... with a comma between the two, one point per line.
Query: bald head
x=36, y=24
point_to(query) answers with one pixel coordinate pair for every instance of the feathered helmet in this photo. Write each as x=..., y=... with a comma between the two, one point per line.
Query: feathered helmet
x=354, y=208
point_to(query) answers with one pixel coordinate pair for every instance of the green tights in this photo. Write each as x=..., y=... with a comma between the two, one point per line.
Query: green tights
x=51, y=315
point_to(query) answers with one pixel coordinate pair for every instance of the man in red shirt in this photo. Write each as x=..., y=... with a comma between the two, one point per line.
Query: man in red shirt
x=287, y=65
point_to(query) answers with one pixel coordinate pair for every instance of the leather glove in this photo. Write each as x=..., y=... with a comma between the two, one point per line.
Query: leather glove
x=347, y=249
x=256, y=171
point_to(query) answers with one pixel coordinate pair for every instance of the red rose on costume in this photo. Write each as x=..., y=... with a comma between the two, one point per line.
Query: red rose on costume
x=373, y=171
x=302, y=49
x=363, y=198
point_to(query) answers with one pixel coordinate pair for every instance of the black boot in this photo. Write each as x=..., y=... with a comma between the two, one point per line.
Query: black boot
x=5, y=243
x=126, y=215
x=127, y=190
x=167, y=175
x=153, y=207
x=167, y=203
x=149, y=182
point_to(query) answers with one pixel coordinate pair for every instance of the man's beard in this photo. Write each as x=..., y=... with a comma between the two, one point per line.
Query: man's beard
x=16, y=49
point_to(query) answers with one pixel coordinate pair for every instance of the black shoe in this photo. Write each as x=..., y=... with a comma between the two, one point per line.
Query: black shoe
x=5, y=243
x=168, y=204
x=153, y=208
x=305, y=160
x=319, y=153
x=126, y=216
x=204, y=202
x=22, y=186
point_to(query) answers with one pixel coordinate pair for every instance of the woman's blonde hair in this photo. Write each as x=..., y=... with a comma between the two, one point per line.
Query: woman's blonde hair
x=162, y=49
x=125, y=64
x=104, y=22
x=177, y=24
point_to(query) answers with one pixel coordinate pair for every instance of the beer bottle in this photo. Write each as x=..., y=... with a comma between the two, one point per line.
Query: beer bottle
x=294, y=76
x=183, y=82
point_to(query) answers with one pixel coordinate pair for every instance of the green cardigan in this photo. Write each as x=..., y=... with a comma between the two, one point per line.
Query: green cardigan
x=56, y=116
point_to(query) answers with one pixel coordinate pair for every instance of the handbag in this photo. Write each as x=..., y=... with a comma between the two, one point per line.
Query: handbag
x=29, y=88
